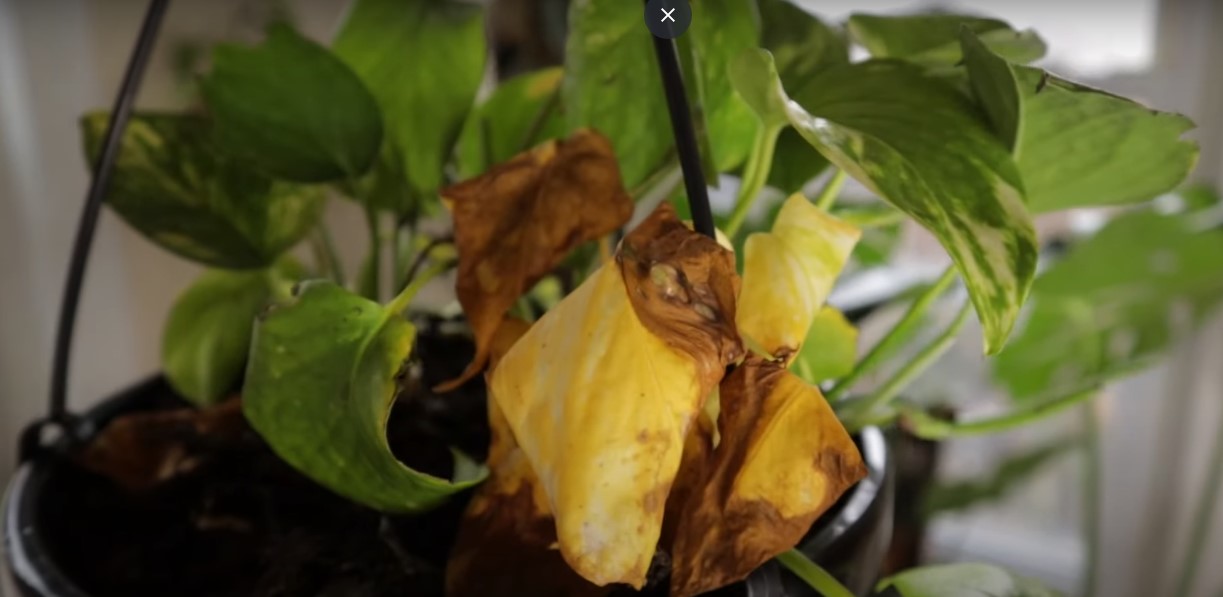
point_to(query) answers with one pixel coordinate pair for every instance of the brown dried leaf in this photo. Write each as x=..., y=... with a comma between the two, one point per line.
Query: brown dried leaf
x=140, y=450
x=783, y=460
x=600, y=393
x=516, y=222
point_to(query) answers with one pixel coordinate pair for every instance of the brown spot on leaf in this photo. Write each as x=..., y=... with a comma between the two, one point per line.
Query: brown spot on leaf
x=783, y=460
x=516, y=222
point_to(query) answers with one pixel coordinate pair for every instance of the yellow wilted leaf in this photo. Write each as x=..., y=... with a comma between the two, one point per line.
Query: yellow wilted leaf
x=516, y=222
x=601, y=391
x=783, y=459
x=788, y=273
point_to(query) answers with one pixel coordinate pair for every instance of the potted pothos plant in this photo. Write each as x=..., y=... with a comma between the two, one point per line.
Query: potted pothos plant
x=623, y=404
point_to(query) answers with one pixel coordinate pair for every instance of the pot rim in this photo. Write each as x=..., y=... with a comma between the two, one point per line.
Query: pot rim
x=30, y=563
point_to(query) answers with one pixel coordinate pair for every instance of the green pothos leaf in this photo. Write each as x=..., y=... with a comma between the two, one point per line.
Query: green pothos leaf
x=1114, y=303
x=208, y=333
x=993, y=84
x=934, y=39
x=292, y=108
x=175, y=186
x=423, y=60
x=319, y=389
x=961, y=580
x=922, y=146
x=830, y=350
x=521, y=113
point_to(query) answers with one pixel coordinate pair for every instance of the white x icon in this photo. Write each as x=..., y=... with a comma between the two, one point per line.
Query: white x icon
x=666, y=14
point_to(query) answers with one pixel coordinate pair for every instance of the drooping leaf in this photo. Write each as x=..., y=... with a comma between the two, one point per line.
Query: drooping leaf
x=922, y=146
x=319, y=388
x=173, y=185
x=423, y=60
x=993, y=84
x=609, y=60
x=788, y=273
x=1011, y=473
x=962, y=580
x=782, y=460
x=830, y=350
x=1115, y=303
x=207, y=336
x=600, y=392
x=795, y=162
x=522, y=113
x=934, y=39
x=1083, y=147
x=293, y=109
x=515, y=223
x=504, y=547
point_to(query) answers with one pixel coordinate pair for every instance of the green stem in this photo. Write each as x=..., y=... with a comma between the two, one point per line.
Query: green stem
x=927, y=427
x=1203, y=517
x=325, y=256
x=859, y=413
x=1091, y=498
x=813, y=574
x=755, y=174
x=409, y=292
x=828, y=195
x=895, y=336
x=374, y=289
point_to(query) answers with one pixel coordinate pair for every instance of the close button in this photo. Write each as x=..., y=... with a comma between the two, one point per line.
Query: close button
x=668, y=19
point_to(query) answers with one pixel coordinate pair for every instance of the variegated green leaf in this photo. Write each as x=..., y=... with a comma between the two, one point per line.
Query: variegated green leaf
x=993, y=84
x=319, y=388
x=173, y=185
x=962, y=580
x=925, y=148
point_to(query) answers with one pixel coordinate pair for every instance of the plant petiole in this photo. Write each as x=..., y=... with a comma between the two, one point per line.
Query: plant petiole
x=755, y=175
x=813, y=574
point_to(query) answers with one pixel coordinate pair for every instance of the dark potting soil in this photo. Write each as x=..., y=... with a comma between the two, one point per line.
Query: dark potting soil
x=242, y=523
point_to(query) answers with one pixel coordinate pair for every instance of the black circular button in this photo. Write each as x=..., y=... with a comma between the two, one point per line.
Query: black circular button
x=668, y=19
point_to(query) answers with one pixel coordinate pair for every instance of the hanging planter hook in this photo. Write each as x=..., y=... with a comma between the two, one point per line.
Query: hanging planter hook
x=58, y=417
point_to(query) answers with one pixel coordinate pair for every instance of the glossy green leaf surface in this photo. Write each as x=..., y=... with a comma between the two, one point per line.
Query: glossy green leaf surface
x=207, y=336
x=1114, y=303
x=1085, y=147
x=922, y=146
x=934, y=39
x=319, y=389
x=993, y=84
x=292, y=108
x=521, y=113
x=174, y=185
x=961, y=580
x=423, y=60
x=612, y=82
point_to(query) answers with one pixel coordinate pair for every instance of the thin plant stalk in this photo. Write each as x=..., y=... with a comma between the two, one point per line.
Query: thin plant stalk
x=1091, y=498
x=374, y=290
x=1203, y=517
x=812, y=574
x=755, y=175
x=928, y=427
x=409, y=292
x=828, y=195
x=325, y=252
x=861, y=410
x=879, y=352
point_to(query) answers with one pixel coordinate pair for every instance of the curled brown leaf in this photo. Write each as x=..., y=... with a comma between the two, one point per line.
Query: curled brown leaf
x=782, y=460
x=516, y=222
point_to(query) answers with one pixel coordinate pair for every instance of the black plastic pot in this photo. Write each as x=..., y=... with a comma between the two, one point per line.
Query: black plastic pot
x=849, y=540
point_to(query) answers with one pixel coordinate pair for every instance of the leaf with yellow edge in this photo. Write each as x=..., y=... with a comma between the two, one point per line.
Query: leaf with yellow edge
x=600, y=393
x=783, y=460
x=516, y=222
x=504, y=546
x=788, y=273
